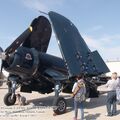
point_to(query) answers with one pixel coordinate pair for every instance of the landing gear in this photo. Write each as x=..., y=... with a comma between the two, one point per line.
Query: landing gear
x=59, y=103
x=9, y=99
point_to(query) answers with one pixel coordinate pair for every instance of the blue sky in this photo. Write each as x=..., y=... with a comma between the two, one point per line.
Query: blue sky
x=98, y=21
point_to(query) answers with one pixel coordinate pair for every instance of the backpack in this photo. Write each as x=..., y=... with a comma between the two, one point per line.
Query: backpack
x=79, y=92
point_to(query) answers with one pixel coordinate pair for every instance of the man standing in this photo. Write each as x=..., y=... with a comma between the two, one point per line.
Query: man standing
x=79, y=91
x=118, y=91
x=111, y=95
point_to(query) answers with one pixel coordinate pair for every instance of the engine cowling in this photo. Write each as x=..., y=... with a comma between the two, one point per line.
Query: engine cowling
x=23, y=62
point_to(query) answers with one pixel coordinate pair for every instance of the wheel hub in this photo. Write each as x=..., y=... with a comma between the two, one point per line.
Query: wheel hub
x=61, y=105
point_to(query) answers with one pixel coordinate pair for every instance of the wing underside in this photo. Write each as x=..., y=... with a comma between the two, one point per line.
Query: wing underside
x=41, y=34
x=36, y=36
x=77, y=56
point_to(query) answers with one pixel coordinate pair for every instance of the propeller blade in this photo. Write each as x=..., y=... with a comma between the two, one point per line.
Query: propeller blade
x=2, y=54
x=18, y=41
x=1, y=50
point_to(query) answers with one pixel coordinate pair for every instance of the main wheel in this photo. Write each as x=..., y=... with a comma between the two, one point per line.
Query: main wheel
x=59, y=105
x=9, y=100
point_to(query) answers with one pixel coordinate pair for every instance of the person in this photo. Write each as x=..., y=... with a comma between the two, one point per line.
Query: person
x=112, y=85
x=21, y=100
x=78, y=93
x=118, y=91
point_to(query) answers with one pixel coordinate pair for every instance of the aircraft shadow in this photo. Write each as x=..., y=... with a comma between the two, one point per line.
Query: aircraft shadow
x=48, y=101
x=96, y=102
x=92, y=116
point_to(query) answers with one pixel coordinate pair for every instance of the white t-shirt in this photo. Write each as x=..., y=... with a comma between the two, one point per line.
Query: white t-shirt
x=75, y=85
x=112, y=84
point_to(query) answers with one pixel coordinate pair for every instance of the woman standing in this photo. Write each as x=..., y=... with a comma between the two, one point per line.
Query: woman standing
x=79, y=92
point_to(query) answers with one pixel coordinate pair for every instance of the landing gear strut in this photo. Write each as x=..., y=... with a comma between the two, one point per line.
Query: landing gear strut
x=10, y=97
x=59, y=103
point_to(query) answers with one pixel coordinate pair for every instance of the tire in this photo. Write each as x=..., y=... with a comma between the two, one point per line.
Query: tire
x=8, y=101
x=59, y=105
x=87, y=95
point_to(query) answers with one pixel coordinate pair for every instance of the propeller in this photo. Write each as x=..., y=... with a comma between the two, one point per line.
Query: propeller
x=1, y=50
x=1, y=57
x=2, y=54
x=18, y=41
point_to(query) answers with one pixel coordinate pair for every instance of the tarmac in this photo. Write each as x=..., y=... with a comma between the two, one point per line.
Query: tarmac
x=40, y=107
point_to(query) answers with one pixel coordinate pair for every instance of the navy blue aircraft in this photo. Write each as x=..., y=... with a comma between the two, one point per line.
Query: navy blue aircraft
x=32, y=69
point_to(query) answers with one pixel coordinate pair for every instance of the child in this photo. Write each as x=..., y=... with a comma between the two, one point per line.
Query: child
x=21, y=100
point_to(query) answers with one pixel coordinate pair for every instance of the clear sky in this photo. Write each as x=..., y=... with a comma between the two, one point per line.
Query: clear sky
x=98, y=21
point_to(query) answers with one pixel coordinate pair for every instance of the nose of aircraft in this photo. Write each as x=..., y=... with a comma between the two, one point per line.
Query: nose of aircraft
x=1, y=50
